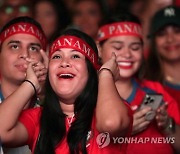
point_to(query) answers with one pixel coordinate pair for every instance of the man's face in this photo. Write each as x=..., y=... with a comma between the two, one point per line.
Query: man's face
x=14, y=51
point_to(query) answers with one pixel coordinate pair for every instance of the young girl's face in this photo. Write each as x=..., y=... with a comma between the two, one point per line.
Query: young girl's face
x=68, y=73
x=168, y=43
x=128, y=50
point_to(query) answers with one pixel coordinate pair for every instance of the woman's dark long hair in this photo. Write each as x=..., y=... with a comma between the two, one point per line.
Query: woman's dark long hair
x=153, y=68
x=52, y=122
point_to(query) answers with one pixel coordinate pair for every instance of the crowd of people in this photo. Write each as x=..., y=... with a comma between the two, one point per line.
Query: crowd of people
x=77, y=75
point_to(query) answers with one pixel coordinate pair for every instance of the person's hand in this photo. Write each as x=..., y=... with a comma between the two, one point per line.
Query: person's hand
x=37, y=72
x=112, y=66
x=139, y=121
x=162, y=117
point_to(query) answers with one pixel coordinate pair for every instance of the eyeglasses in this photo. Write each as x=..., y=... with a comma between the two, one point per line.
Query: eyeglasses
x=11, y=9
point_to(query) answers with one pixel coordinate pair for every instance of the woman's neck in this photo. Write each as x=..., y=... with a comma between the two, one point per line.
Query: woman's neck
x=67, y=108
x=124, y=87
x=172, y=72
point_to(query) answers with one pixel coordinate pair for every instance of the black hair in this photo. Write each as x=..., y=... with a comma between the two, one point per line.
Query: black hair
x=153, y=67
x=24, y=19
x=120, y=17
x=52, y=121
x=125, y=16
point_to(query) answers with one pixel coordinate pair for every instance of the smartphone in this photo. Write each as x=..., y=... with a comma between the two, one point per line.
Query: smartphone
x=154, y=101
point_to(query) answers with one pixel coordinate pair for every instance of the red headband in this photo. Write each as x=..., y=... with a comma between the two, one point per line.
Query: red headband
x=77, y=44
x=26, y=28
x=119, y=28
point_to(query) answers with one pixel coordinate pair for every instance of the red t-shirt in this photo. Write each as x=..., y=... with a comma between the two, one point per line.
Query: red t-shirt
x=177, y=3
x=151, y=140
x=30, y=119
x=174, y=91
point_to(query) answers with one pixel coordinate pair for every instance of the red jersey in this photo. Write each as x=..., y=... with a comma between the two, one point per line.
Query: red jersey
x=30, y=119
x=151, y=140
x=174, y=91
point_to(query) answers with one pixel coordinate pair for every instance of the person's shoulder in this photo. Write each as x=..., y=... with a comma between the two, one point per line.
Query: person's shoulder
x=33, y=111
x=151, y=84
x=31, y=115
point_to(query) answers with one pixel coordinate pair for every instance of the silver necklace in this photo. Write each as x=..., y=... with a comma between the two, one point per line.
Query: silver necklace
x=70, y=119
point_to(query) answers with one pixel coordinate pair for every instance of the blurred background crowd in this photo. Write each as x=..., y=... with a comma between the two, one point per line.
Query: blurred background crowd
x=86, y=15
x=163, y=62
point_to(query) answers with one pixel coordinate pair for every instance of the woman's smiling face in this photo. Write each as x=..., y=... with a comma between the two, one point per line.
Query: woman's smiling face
x=168, y=43
x=68, y=73
x=129, y=52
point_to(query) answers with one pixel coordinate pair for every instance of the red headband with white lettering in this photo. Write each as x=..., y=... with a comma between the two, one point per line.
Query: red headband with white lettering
x=26, y=28
x=119, y=28
x=77, y=44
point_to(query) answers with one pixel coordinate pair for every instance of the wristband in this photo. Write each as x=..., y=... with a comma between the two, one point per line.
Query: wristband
x=32, y=86
x=107, y=70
